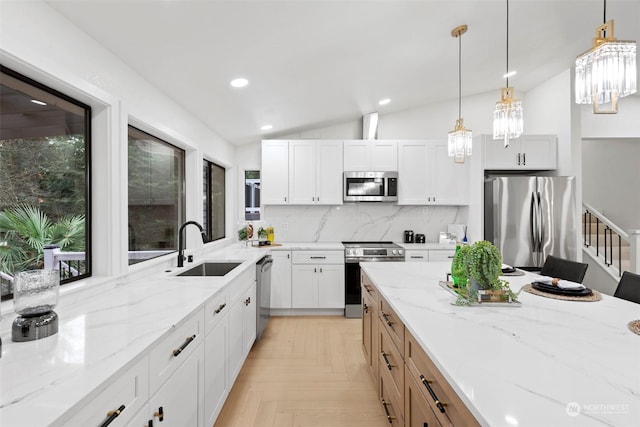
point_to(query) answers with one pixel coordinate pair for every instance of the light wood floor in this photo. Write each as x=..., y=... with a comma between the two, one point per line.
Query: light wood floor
x=305, y=371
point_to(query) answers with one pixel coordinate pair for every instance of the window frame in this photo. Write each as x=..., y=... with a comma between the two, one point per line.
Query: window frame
x=88, y=116
x=207, y=213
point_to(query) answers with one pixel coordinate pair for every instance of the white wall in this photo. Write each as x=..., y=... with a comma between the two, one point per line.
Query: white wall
x=624, y=124
x=40, y=43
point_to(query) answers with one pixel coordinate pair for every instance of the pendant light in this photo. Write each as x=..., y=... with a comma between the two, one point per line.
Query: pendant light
x=460, y=139
x=607, y=71
x=507, y=117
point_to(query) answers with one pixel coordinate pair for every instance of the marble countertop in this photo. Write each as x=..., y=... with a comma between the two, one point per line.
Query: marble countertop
x=546, y=363
x=428, y=245
x=320, y=246
x=101, y=330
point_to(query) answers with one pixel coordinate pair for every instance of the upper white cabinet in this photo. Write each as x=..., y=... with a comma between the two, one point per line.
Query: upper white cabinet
x=428, y=176
x=315, y=172
x=305, y=172
x=529, y=152
x=370, y=155
x=274, y=175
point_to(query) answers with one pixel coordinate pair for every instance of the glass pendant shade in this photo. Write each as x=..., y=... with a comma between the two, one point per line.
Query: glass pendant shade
x=508, y=118
x=459, y=142
x=606, y=72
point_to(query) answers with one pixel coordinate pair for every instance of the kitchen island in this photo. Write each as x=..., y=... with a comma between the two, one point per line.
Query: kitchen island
x=546, y=362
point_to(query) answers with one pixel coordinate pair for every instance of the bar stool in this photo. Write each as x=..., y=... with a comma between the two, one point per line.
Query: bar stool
x=564, y=269
x=629, y=287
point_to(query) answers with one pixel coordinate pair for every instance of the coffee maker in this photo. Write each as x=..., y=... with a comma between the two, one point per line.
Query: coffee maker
x=408, y=236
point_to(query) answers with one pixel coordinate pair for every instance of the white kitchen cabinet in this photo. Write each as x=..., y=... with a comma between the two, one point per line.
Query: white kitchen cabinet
x=179, y=401
x=416, y=255
x=130, y=390
x=242, y=329
x=436, y=255
x=428, y=176
x=529, y=152
x=315, y=172
x=317, y=279
x=216, y=384
x=274, y=175
x=281, y=279
x=370, y=155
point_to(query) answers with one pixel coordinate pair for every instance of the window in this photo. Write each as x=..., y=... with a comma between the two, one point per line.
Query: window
x=252, y=195
x=213, y=202
x=156, y=196
x=44, y=171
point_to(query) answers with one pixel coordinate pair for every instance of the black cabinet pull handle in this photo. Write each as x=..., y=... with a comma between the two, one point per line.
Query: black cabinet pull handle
x=386, y=319
x=220, y=308
x=389, y=417
x=150, y=423
x=159, y=414
x=432, y=393
x=112, y=415
x=524, y=159
x=318, y=257
x=518, y=159
x=184, y=345
x=386, y=360
x=365, y=307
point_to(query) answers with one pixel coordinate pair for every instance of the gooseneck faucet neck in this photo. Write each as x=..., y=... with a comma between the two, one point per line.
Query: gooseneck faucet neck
x=180, y=241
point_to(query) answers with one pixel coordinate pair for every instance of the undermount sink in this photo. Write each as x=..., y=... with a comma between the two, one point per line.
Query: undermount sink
x=211, y=269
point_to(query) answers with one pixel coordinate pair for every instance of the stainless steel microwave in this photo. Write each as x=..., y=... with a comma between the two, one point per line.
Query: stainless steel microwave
x=370, y=187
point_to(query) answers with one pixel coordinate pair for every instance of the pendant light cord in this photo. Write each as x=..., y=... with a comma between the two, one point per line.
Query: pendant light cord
x=460, y=76
x=604, y=17
x=507, y=74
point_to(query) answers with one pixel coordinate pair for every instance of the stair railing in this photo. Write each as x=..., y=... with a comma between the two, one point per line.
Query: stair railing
x=613, y=238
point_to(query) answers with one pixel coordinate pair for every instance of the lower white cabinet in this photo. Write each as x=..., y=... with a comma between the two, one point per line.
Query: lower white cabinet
x=179, y=401
x=281, y=279
x=429, y=255
x=216, y=384
x=317, y=279
x=242, y=330
x=121, y=401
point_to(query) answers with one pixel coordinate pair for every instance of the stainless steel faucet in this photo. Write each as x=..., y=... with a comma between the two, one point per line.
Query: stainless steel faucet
x=180, y=246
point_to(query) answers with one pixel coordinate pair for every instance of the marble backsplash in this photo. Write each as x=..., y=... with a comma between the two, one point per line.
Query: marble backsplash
x=359, y=221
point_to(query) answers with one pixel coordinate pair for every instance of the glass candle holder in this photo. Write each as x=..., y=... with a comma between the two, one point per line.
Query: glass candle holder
x=35, y=292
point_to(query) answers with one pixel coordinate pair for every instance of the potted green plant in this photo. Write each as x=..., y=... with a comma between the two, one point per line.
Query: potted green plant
x=484, y=265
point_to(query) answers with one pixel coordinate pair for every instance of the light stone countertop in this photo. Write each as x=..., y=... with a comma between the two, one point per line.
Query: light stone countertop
x=546, y=363
x=102, y=330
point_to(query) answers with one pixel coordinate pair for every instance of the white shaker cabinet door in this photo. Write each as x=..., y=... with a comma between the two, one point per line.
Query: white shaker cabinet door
x=329, y=173
x=302, y=169
x=274, y=175
x=413, y=173
x=281, y=279
x=330, y=286
x=304, y=286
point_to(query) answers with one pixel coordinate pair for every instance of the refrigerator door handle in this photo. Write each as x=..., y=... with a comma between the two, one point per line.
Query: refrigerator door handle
x=534, y=221
x=540, y=228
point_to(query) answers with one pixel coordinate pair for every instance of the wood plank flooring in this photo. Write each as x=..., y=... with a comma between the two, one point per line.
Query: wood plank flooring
x=305, y=371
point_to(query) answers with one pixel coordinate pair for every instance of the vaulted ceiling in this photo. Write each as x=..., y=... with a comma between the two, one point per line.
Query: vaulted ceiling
x=316, y=63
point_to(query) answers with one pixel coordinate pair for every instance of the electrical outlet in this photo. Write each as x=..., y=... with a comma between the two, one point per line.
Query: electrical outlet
x=285, y=226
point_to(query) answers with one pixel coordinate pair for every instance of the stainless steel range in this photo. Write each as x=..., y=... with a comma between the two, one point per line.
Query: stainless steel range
x=354, y=254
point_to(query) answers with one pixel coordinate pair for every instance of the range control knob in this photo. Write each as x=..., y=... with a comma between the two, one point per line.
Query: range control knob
x=394, y=252
x=400, y=251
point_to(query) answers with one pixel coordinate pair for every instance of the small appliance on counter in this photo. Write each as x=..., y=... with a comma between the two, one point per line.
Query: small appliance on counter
x=420, y=238
x=35, y=294
x=408, y=236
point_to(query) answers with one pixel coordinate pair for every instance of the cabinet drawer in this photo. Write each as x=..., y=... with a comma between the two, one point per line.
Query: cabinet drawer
x=130, y=390
x=392, y=324
x=416, y=256
x=215, y=310
x=369, y=288
x=168, y=354
x=390, y=363
x=318, y=257
x=417, y=411
x=392, y=406
x=441, y=255
x=421, y=369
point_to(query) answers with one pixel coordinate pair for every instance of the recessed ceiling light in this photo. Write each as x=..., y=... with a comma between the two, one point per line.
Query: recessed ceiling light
x=239, y=82
x=384, y=101
x=266, y=127
x=35, y=101
x=509, y=74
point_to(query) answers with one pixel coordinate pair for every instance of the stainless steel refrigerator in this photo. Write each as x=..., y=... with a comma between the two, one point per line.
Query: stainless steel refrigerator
x=530, y=217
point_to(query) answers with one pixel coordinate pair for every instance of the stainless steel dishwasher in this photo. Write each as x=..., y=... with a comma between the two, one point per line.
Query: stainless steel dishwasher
x=263, y=293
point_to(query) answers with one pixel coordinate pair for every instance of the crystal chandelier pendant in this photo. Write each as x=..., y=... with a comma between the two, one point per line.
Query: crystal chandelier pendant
x=607, y=72
x=508, y=117
x=459, y=142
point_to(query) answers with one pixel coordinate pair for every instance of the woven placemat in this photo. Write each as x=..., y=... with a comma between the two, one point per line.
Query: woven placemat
x=595, y=296
x=634, y=326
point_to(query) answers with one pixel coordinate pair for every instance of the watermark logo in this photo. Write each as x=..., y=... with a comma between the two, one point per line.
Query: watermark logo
x=573, y=409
